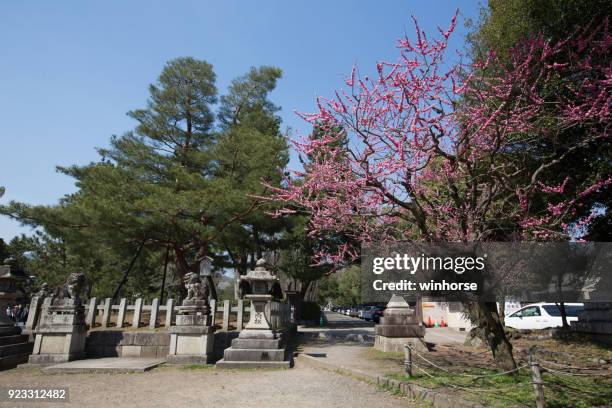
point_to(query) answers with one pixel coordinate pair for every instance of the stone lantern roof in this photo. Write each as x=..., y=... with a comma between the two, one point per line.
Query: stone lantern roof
x=10, y=271
x=260, y=273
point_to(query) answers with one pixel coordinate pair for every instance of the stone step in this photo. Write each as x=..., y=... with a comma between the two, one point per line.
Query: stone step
x=252, y=364
x=400, y=330
x=19, y=348
x=398, y=320
x=13, y=361
x=232, y=354
x=257, y=343
x=9, y=330
x=13, y=339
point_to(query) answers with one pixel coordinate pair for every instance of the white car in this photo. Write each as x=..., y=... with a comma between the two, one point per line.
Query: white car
x=542, y=316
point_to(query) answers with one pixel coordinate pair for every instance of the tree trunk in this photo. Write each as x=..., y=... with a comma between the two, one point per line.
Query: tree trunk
x=561, y=307
x=486, y=317
x=163, y=283
x=127, y=271
x=502, y=312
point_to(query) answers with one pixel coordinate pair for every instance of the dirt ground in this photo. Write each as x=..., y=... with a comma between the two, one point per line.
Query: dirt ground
x=301, y=386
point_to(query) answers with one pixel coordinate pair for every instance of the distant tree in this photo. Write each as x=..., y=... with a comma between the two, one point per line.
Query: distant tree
x=342, y=287
x=295, y=258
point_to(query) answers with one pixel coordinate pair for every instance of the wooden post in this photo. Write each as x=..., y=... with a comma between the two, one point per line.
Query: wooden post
x=169, y=311
x=239, y=315
x=137, y=312
x=226, y=315
x=536, y=379
x=213, y=311
x=121, y=314
x=419, y=311
x=154, y=310
x=408, y=360
x=107, y=311
x=92, y=312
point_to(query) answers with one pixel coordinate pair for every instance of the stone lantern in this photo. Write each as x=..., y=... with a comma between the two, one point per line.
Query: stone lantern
x=263, y=286
x=10, y=279
x=262, y=342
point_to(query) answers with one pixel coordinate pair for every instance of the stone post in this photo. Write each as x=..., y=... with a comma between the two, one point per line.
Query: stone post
x=33, y=314
x=106, y=312
x=154, y=310
x=137, y=313
x=121, y=312
x=213, y=311
x=240, y=315
x=169, y=312
x=92, y=312
x=226, y=314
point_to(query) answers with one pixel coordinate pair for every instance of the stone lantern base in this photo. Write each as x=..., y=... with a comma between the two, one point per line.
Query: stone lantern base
x=60, y=336
x=258, y=345
x=400, y=325
x=192, y=338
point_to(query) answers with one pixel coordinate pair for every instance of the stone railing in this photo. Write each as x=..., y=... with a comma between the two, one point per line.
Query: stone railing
x=102, y=313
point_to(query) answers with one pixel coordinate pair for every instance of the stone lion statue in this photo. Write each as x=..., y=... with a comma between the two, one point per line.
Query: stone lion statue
x=73, y=288
x=44, y=290
x=196, y=290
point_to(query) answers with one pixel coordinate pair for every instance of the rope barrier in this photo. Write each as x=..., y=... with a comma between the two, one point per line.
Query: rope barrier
x=536, y=378
x=564, y=386
x=468, y=389
x=574, y=374
x=463, y=374
x=568, y=366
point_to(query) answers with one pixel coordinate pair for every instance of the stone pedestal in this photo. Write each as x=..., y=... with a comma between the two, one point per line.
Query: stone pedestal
x=191, y=339
x=61, y=332
x=400, y=325
x=596, y=321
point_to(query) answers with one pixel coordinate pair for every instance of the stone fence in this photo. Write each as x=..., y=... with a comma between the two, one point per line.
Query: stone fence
x=102, y=313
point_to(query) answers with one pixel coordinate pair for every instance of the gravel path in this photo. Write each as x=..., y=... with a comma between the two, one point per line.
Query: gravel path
x=301, y=386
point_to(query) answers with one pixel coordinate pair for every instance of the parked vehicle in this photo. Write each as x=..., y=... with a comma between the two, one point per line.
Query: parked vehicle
x=542, y=316
x=374, y=313
x=363, y=310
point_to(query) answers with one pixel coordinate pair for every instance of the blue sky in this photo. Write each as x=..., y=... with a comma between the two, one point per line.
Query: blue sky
x=70, y=70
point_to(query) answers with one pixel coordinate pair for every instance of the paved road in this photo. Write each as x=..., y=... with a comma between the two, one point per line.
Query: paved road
x=302, y=386
x=342, y=325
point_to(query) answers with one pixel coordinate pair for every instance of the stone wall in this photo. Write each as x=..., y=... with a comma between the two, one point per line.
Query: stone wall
x=115, y=343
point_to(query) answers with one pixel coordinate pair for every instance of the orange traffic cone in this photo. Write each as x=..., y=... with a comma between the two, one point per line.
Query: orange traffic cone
x=442, y=323
x=429, y=324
